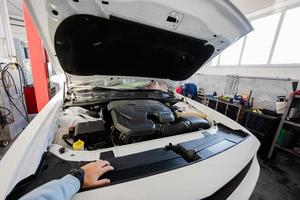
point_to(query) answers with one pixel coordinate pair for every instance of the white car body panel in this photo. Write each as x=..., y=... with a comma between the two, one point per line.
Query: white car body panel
x=246, y=187
x=192, y=182
x=202, y=19
x=23, y=158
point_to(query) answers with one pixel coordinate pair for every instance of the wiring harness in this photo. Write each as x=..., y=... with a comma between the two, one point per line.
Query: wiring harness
x=15, y=95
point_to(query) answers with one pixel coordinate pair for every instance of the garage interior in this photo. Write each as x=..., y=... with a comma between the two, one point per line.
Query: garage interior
x=254, y=82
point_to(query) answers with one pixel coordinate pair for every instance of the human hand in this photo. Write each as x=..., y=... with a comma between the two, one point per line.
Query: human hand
x=93, y=171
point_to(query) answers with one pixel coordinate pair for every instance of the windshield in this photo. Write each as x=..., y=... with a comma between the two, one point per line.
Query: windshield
x=125, y=84
x=117, y=89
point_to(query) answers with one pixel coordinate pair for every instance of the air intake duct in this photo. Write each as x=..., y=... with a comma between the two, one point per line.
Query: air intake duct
x=184, y=125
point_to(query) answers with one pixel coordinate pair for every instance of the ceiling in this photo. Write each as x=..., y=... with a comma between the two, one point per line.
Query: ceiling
x=246, y=6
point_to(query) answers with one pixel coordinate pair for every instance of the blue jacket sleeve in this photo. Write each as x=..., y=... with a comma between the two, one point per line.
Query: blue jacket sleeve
x=61, y=189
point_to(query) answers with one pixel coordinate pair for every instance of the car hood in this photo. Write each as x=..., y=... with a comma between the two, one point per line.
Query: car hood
x=163, y=40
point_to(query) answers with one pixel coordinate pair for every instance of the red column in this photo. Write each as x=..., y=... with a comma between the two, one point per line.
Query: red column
x=38, y=61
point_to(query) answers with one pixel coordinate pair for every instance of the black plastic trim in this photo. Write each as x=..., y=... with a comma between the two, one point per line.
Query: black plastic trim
x=90, y=45
x=228, y=189
x=137, y=165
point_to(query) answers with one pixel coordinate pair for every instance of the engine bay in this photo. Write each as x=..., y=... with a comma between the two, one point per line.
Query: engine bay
x=123, y=122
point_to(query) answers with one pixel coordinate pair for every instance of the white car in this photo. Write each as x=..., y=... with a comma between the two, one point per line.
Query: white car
x=115, y=55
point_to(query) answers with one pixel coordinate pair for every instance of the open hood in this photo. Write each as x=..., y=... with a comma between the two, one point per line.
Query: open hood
x=169, y=39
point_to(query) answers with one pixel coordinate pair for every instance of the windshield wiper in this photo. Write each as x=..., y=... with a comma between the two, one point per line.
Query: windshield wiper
x=137, y=91
x=153, y=90
x=110, y=89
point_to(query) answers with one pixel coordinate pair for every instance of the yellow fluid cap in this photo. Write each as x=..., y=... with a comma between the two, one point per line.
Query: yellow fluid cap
x=78, y=145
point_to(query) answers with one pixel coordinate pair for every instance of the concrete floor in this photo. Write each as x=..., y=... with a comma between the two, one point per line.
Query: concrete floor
x=278, y=180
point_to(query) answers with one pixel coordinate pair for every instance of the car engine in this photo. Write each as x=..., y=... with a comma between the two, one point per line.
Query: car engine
x=130, y=121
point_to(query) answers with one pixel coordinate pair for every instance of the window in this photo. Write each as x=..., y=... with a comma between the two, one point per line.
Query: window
x=287, y=47
x=214, y=61
x=259, y=42
x=231, y=55
x=274, y=41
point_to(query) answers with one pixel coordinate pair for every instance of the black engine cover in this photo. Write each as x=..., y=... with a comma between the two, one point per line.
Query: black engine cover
x=136, y=117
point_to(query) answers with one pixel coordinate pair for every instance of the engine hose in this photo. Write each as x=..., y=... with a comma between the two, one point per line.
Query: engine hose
x=173, y=129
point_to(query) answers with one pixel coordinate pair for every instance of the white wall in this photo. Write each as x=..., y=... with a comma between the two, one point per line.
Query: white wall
x=18, y=27
x=19, y=32
x=7, y=51
x=291, y=72
x=15, y=7
x=265, y=91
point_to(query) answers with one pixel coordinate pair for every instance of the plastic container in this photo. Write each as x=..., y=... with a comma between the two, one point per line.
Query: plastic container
x=264, y=127
x=281, y=136
x=280, y=107
x=78, y=145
